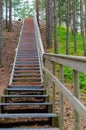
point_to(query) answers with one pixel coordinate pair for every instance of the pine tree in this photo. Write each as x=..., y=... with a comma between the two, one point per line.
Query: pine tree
x=1, y=15
x=67, y=26
x=49, y=19
x=55, y=28
x=10, y=15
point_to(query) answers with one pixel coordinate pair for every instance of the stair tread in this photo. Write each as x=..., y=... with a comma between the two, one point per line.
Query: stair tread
x=29, y=115
x=25, y=89
x=29, y=68
x=27, y=74
x=28, y=78
x=24, y=86
x=24, y=95
x=20, y=104
x=29, y=129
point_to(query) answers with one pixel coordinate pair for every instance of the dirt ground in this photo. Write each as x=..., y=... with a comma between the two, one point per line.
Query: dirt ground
x=10, y=41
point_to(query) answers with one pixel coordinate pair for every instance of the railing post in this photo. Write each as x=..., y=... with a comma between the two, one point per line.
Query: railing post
x=76, y=94
x=53, y=100
x=46, y=81
x=61, y=100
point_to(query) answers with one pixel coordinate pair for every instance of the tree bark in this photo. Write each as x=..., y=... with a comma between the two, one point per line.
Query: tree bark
x=82, y=18
x=10, y=15
x=49, y=23
x=37, y=11
x=1, y=15
x=67, y=26
x=74, y=24
x=6, y=13
x=55, y=29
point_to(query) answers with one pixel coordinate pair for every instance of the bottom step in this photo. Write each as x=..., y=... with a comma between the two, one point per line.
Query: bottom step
x=28, y=120
x=29, y=129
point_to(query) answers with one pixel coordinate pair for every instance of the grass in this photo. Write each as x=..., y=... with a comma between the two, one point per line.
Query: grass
x=68, y=72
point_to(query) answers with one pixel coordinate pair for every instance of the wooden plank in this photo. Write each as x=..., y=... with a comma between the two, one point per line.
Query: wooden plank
x=29, y=129
x=28, y=115
x=40, y=86
x=20, y=96
x=25, y=89
x=29, y=68
x=75, y=62
x=25, y=104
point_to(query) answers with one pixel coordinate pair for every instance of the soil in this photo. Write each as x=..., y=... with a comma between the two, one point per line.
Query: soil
x=10, y=41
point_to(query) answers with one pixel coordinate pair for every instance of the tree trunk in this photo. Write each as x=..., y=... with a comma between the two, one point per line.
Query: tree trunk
x=74, y=24
x=41, y=10
x=37, y=11
x=85, y=16
x=10, y=15
x=49, y=23
x=1, y=15
x=55, y=29
x=59, y=14
x=67, y=26
x=6, y=13
x=82, y=18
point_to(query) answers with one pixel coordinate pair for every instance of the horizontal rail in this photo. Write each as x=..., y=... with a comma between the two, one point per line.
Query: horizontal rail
x=80, y=108
x=39, y=44
x=75, y=62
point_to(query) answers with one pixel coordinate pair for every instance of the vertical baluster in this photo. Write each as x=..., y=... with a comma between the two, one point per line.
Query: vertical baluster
x=61, y=100
x=76, y=94
x=46, y=81
x=53, y=100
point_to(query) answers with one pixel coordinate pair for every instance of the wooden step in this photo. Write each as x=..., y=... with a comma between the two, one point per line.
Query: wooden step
x=26, y=104
x=26, y=54
x=29, y=129
x=31, y=79
x=24, y=86
x=53, y=118
x=27, y=62
x=25, y=89
x=31, y=56
x=26, y=75
x=26, y=71
x=27, y=65
x=31, y=68
x=28, y=115
x=26, y=96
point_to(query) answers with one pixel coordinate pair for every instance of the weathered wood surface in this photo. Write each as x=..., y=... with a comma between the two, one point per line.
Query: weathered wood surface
x=78, y=106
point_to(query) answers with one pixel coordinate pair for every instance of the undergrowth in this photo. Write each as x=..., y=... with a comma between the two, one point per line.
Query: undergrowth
x=68, y=72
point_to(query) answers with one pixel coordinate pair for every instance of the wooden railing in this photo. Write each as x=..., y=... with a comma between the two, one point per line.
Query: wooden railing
x=77, y=64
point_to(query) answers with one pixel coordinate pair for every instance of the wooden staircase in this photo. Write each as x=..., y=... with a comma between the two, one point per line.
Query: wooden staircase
x=25, y=104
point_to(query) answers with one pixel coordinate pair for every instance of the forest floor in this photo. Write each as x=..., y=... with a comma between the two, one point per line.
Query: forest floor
x=10, y=41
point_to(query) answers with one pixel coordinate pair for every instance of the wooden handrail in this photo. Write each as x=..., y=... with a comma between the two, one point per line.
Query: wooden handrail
x=78, y=64
x=75, y=62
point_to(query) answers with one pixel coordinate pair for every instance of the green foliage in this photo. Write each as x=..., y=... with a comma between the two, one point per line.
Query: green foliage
x=82, y=81
x=62, y=42
x=68, y=72
x=22, y=9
